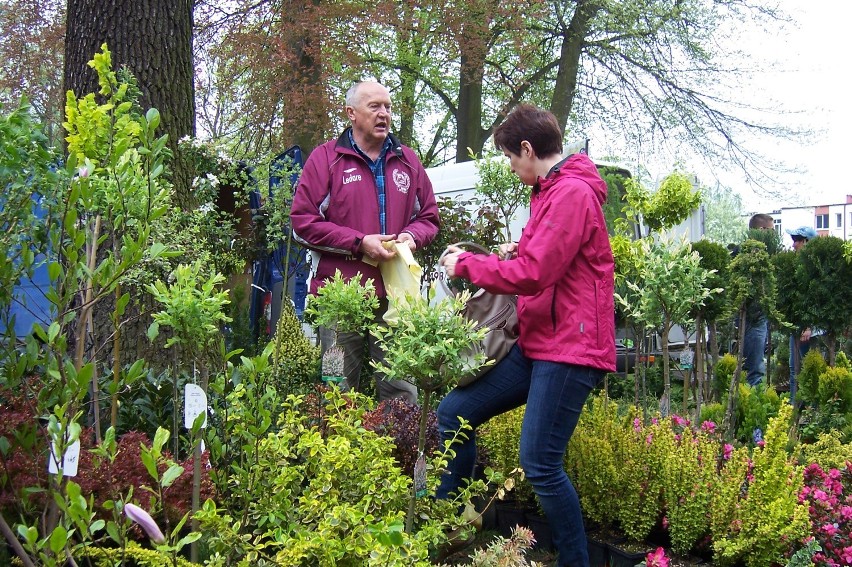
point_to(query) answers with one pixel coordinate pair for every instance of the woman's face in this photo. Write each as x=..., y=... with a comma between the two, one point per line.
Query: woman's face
x=523, y=165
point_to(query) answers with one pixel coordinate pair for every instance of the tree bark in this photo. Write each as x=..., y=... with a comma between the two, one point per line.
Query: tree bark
x=153, y=38
x=573, y=39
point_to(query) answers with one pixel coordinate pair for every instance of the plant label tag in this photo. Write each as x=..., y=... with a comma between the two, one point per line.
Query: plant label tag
x=70, y=460
x=420, y=477
x=194, y=404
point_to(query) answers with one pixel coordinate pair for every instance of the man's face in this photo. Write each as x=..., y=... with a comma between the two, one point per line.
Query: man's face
x=371, y=114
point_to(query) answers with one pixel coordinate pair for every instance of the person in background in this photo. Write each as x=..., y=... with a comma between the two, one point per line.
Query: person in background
x=563, y=273
x=354, y=194
x=756, y=323
x=801, y=344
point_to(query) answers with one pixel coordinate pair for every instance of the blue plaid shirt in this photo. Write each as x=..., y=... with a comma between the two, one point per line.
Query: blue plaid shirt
x=378, y=169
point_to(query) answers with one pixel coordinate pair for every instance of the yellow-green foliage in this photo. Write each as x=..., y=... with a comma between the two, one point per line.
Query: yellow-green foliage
x=591, y=460
x=295, y=359
x=813, y=365
x=500, y=438
x=722, y=373
x=132, y=554
x=689, y=482
x=836, y=384
x=827, y=451
x=714, y=412
x=642, y=451
x=758, y=525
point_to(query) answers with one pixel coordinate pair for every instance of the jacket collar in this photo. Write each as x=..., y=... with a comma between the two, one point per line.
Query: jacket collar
x=344, y=143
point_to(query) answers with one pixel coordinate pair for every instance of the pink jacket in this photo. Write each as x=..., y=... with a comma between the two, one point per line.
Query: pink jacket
x=336, y=204
x=563, y=273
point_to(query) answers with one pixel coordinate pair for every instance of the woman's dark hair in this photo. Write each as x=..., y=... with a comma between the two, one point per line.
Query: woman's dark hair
x=528, y=122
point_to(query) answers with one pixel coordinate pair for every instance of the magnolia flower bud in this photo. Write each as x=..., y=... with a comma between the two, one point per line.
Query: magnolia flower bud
x=83, y=171
x=144, y=519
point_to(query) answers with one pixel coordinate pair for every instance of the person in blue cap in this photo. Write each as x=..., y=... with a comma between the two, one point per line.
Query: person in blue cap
x=799, y=346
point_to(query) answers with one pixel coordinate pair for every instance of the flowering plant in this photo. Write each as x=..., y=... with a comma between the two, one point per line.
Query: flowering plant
x=828, y=496
x=656, y=558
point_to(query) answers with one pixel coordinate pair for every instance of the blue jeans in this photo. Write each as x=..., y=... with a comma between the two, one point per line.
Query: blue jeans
x=804, y=347
x=754, y=348
x=554, y=394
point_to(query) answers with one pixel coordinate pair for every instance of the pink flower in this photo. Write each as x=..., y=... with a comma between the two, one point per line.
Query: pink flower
x=728, y=451
x=679, y=421
x=637, y=424
x=708, y=426
x=846, y=555
x=145, y=520
x=846, y=512
x=83, y=171
x=657, y=558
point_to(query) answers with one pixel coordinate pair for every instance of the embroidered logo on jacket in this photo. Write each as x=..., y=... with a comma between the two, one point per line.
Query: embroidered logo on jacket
x=349, y=177
x=403, y=182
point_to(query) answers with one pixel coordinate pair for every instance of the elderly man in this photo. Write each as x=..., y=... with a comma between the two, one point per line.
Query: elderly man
x=354, y=194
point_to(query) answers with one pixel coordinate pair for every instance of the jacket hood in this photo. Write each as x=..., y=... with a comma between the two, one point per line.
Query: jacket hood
x=579, y=166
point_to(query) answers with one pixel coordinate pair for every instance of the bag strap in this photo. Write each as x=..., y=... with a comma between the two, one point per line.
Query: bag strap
x=463, y=244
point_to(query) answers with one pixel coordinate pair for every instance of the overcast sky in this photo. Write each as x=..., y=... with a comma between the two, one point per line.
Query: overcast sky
x=809, y=84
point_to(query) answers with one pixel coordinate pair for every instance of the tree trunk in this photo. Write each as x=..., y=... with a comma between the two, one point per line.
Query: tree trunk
x=153, y=38
x=573, y=39
x=730, y=421
x=469, y=115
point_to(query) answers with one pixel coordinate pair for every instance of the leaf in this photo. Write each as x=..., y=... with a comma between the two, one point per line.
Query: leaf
x=171, y=475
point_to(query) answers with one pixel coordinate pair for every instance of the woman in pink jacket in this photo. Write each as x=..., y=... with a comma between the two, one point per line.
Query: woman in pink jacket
x=562, y=272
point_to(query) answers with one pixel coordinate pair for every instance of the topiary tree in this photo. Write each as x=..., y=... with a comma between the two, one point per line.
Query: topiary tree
x=752, y=282
x=826, y=284
x=295, y=365
x=714, y=258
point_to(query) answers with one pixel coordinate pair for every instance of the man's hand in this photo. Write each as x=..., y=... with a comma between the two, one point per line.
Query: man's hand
x=373, y=247
x=408, y=239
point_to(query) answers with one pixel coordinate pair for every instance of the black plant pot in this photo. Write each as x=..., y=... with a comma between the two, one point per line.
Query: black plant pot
x=509, y=515
x=541, y=529
x=598, y=551
x=621, y=557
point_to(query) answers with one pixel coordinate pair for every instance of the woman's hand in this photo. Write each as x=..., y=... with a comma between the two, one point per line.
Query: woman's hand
x=450, y=260
x=509, y=251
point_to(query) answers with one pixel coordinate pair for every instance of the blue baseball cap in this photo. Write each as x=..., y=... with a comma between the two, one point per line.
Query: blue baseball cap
x=803, y=231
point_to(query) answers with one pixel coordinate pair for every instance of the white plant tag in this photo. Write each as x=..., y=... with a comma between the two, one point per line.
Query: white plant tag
x=70, y=460
x=194, y=404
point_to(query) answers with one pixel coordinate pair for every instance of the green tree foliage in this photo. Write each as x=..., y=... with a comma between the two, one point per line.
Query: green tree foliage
x=826, y=284
x=723, y=219
x=501, y=189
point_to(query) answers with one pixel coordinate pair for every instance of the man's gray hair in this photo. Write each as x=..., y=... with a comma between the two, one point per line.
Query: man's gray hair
x=352, y=94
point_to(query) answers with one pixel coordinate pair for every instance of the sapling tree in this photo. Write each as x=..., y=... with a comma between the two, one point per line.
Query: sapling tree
x=715, y=258
x=111, y=183
x=673, y=283
x=344, y=307
x=425, y=347
x=500, y=188
x=752, y=282
x=194, y=311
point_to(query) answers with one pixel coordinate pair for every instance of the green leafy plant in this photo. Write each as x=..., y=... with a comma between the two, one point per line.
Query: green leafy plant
x=756, y=511
x=311, y=491
x=424, y=346
x=500, y=440
x=500, y=188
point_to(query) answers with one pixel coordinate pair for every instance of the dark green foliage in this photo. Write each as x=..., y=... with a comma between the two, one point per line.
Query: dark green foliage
x=614, y=207
x=790, y=296
x=714, y=256
x=826, y=280
x=770, y=239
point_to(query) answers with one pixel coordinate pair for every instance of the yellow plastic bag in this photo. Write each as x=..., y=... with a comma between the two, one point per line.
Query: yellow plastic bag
x=401, y=275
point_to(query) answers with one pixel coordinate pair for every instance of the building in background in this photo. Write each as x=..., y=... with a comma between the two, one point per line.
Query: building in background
x=827, y=220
